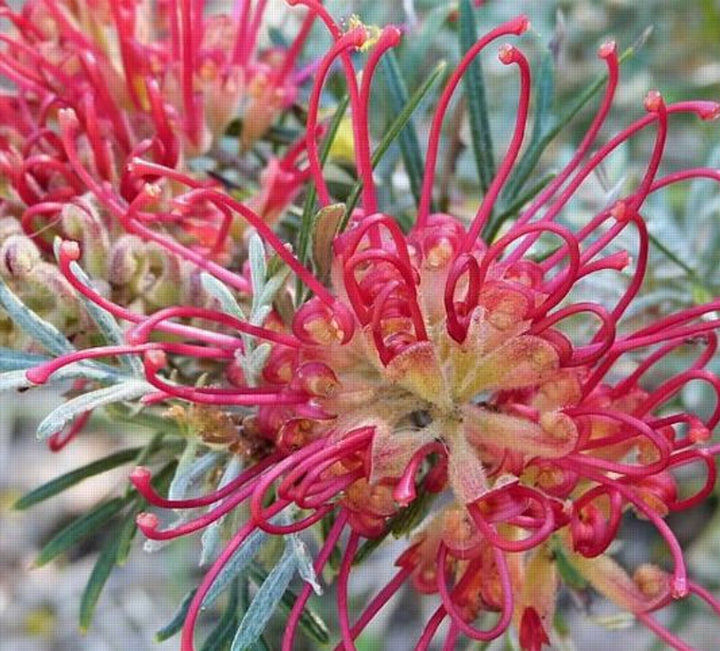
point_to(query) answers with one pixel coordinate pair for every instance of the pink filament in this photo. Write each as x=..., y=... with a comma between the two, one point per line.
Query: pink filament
x=295, y=48
x=404, y=492
x=378, y=602
x=69, y=126
x=41, y=373
x=430, y=629
x=672, y=386
x=705, y=595
x=70, y=252
x=701, y=109
x=245, y=396
x=342, y=591
x=640, y=427
x=188, y=54
x=609, y=54
x=148, y=523
x=665, y=635
x=360, y=125
x=389, y=38
x=354, y=38
x=508, y=55
x=515, y=26
x=679, y=581
x=207, y=582
x=588, y=354
x=690, y=456
x=141, y=332
x=458, y=620
x=532, y=541
x=340, y=310
x=142, y=480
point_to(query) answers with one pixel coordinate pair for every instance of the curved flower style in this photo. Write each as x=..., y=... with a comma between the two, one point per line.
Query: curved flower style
x=437, y=364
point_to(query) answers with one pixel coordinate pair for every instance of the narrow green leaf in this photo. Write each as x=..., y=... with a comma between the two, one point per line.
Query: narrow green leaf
x=80, y=528
x=392, y=133
x=127, y=532
x=278, y=38
x=266, y=600
x=568, y=572
x=409, y=518
x=211, y=538
x=63, y=482
x=543, y=123
x=41, y=331
x=65, y=413
x=561, y=626
x=113, y=553
x=700, y=289
x=178, y=619
x=308, y=213
x=553, y=125
x=408, y=138
x=474, y=85
x=261, y=645
x=117, y=547
x=311, y=624
x=151, y=420
x=98, y=577
x=221, y=638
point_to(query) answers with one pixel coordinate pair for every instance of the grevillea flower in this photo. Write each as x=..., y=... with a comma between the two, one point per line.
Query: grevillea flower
x=436, y=379
x=149, y=84
x=158, y=80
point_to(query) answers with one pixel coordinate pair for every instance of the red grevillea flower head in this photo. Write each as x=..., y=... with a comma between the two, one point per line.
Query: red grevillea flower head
x=436, y=363
x=160, y=82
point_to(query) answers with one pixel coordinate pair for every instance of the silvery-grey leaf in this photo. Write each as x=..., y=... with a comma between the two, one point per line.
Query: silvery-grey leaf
x=266, y=600
x=238, y=562
x=40, y=330
x=60, y=417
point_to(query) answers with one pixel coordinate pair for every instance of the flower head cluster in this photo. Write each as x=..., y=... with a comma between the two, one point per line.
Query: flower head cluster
x=160, y=82
x=434, y=372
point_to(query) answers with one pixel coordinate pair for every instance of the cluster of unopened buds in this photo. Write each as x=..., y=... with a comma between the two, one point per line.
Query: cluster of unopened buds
x=156, y=85
x=434, y=373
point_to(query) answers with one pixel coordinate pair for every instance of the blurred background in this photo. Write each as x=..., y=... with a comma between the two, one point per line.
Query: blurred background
x=677, y=52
